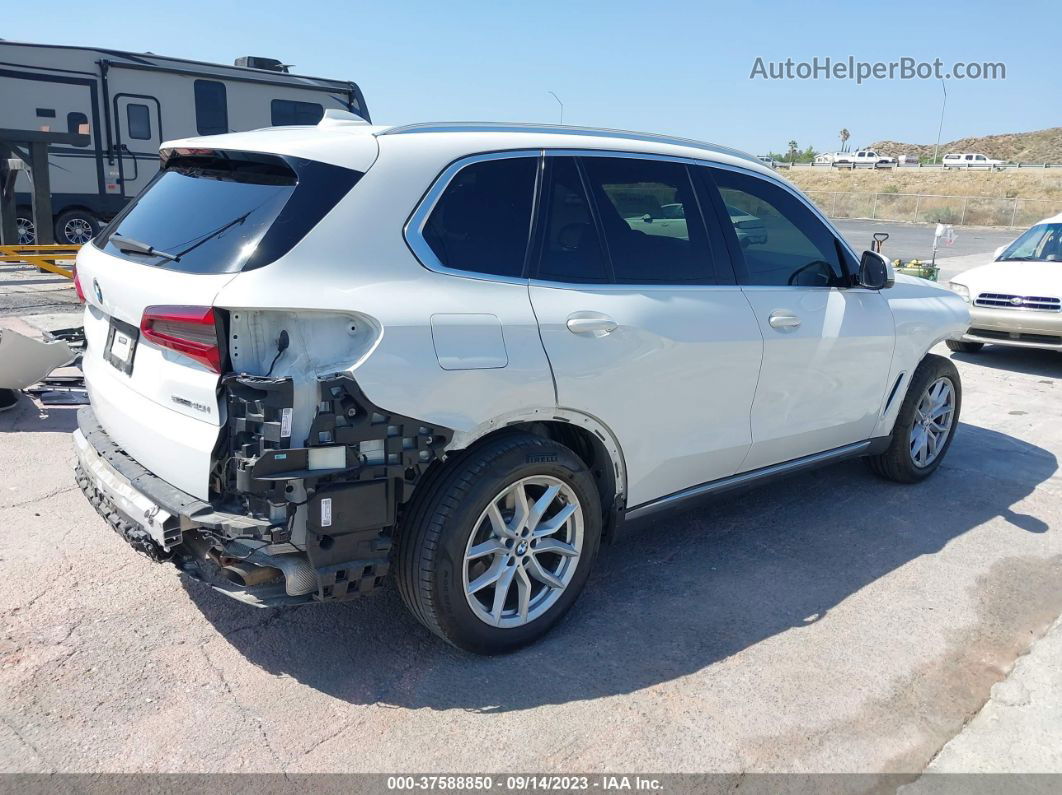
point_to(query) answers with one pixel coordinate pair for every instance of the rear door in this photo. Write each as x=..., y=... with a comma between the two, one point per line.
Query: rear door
x=827, y=346
x=155, y=348
x=643, y=325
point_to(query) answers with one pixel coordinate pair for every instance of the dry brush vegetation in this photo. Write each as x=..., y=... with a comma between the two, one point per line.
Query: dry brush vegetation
x=987, y=197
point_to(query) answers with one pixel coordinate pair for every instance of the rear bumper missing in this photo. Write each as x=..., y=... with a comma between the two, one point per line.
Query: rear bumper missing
x=229, y=551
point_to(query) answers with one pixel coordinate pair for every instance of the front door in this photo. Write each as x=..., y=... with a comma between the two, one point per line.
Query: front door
x=827, y=346
x=641, y=320
x=138, y=138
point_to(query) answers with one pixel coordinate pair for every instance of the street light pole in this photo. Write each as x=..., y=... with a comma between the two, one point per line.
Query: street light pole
x=559, y=103
x=936, y=149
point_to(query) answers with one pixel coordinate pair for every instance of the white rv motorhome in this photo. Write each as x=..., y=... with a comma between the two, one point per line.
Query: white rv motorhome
x=130, y=103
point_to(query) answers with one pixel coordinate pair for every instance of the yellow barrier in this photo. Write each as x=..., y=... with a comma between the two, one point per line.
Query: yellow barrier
x=44, y=257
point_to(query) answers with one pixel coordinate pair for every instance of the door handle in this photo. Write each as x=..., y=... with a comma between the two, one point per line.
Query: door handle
x=783, y=320
x=591, y=323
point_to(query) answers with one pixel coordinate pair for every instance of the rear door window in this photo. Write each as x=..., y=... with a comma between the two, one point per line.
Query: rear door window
x=221, y=212
x=571, y=250
x=651, y=221
x=482, y=221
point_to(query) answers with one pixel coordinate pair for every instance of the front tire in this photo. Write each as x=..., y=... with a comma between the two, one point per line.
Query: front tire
x=499, y=545
x=964, y=347
x=925, y=425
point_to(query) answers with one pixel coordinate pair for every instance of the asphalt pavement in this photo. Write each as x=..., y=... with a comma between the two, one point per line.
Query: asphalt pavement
x=829, y=622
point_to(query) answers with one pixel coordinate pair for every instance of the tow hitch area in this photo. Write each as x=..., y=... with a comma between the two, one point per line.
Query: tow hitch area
x=335, y=498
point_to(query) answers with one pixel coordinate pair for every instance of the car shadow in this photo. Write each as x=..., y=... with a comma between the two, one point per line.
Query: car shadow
x=665, y=603
x=1030, y=361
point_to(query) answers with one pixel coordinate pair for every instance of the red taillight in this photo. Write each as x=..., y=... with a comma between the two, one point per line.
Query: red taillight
x=190, y=330
x=77, y=286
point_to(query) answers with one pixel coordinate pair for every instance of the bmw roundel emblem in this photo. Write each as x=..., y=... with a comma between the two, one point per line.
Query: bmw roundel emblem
x=97, y=291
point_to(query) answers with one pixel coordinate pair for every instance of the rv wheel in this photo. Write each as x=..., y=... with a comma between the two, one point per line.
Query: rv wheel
x=76, y=226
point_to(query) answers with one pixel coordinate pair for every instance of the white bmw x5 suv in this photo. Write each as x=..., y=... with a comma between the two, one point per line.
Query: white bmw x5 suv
x=464, y=353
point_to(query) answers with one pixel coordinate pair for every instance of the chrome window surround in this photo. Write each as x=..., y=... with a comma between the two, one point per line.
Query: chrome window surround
x=413, y=231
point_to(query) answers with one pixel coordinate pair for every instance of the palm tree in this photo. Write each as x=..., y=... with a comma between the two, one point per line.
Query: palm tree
x=844, y=137
x=792, y=151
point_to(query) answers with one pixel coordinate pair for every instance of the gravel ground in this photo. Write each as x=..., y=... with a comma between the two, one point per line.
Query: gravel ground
x=832, y=622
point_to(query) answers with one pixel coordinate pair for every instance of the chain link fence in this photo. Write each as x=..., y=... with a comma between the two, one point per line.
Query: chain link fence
x=929, y=208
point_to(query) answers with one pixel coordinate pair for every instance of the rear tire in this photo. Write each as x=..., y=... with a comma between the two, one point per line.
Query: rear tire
x=27, y=232
x=470, y=524
x=925, y=425
x=76, y=227
x=964, y=347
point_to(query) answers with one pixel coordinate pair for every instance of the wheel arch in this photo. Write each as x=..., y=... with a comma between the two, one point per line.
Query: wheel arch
x=587, y=436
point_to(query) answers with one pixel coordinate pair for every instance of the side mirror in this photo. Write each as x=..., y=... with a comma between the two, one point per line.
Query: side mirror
x=999, y=251
x=647, y=218
x=875, y=271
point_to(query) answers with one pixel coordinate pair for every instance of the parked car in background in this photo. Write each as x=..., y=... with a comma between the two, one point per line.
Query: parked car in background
x=1016, y=300
x=969, y=160
x=865, y=158
x=128, y=103
x=501, y=373
x=770, y=162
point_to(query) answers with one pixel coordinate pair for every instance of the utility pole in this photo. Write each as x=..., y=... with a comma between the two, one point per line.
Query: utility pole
x=559, y=103
x=944, y=104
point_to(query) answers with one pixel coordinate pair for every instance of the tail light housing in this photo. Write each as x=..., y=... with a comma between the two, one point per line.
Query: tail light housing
x=191, y=330
x=77, y=286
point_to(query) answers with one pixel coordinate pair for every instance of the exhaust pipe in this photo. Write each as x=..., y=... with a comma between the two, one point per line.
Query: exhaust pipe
x=250, y=575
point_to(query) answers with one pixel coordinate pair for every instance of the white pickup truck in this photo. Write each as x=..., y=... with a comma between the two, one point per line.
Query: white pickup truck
x=863, y=157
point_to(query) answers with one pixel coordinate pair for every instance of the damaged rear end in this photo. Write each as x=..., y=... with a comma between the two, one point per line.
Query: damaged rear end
x=231, y=441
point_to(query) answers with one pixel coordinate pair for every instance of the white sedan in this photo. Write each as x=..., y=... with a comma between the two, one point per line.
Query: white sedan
x=1016, y=299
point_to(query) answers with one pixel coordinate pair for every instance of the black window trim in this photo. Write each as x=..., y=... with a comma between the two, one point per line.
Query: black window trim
x=413, y=230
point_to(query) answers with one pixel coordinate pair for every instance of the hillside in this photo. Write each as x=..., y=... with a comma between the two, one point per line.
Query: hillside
x=1039, y=146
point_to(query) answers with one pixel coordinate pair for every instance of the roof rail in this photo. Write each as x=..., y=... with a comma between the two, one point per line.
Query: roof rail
x=560, y=129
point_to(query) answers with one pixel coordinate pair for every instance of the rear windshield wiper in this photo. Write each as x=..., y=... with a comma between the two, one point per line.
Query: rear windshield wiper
x=129, y=244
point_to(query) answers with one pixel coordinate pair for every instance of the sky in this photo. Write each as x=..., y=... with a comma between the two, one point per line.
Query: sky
x=677, y=67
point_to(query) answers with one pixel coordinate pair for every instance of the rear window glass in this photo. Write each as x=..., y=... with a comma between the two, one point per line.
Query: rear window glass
x=224, y=212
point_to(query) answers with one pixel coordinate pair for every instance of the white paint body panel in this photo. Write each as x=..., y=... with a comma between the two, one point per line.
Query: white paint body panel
x=821, y=382
x=674, y=380
x=677, y=390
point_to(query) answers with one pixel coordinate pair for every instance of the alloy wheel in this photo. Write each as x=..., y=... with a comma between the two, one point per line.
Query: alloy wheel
x=934, y=417
x=523, y=551
x=78, y=230
x=27, y=232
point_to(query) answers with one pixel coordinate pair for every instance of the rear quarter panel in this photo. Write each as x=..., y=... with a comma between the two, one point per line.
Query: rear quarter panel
x=355, y=262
